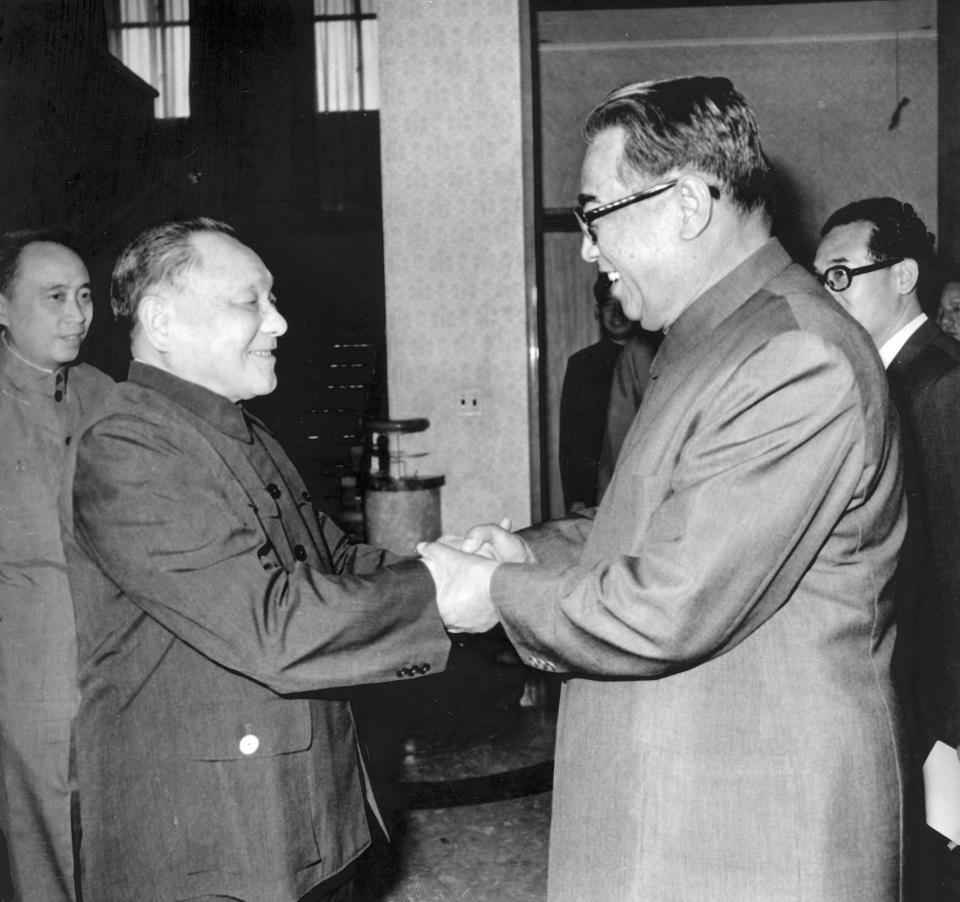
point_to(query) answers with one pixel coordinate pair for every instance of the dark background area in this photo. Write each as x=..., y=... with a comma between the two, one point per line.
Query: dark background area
x=82, y=151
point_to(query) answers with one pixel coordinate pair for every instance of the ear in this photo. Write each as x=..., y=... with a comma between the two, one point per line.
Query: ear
x=696, y=206
x=907, y=273
x=4, y=316
x=156, y=316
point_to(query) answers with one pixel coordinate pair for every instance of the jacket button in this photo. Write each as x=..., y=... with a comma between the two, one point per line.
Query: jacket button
x=403, y=672
x=249, y=744
x=273, y=490
x=423, y=668
x=299, y=552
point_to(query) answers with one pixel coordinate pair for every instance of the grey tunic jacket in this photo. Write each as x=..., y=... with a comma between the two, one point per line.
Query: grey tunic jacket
x=729, y=732
x=212, y=604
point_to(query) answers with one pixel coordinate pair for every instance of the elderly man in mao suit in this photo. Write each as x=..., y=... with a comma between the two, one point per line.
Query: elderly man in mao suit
x=874, y=256
x=217, y=615
x=728, y=730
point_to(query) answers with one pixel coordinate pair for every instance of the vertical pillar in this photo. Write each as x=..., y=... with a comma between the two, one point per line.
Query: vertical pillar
x=457, y=245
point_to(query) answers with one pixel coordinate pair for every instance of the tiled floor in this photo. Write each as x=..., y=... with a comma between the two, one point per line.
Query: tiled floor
x=472, y=824
x=491, y=852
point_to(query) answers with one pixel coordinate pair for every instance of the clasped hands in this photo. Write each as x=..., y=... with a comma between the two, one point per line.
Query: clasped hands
x=462, y=567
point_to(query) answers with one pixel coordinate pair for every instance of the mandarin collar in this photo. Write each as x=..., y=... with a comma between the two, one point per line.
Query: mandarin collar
x=718, y=302
x=29, y=378
x=220, y=412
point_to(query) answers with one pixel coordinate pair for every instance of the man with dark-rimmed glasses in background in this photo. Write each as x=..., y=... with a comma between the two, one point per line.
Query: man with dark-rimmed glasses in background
x=875, y=257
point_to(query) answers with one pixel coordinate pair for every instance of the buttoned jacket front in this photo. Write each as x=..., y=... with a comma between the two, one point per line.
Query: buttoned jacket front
x=40, y=414
x=218, y=617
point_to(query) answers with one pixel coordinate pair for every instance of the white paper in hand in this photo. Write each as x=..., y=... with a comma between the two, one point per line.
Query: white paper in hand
x=941, y=791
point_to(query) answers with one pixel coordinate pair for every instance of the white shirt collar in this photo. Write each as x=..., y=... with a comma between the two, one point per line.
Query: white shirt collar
x=892, y=346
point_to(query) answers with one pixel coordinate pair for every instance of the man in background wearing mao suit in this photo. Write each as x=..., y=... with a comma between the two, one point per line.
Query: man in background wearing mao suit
x=45, y=311
x=874, y=257
x=728, y=729
x=213, y=603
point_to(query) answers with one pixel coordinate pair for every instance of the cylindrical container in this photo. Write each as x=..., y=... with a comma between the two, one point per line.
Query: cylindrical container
x=399, y=512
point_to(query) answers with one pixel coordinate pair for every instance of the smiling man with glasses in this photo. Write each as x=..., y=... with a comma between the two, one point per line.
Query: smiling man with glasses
x=874, y=257
x=727, y=723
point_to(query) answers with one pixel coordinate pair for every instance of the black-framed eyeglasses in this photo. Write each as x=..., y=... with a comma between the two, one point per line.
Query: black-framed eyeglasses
x=586, y=218
x=839, y=277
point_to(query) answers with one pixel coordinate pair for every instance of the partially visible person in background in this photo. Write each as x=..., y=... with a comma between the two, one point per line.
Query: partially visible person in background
x=948, y=316
x=45, y=312
x=631, y=376
x=585, y=396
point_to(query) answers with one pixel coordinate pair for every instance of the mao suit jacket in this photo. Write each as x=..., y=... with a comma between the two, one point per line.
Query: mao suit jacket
x=728, y=729
x=217, y=617
x=925, y=383
x=40, y=413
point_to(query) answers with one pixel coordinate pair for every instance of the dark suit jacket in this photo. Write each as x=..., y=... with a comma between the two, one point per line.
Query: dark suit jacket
x=212, y=604
x=925, y=384
x=631, y=376
x=583, y=416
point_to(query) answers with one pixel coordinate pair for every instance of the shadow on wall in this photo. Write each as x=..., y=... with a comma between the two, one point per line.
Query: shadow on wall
x=788, y=207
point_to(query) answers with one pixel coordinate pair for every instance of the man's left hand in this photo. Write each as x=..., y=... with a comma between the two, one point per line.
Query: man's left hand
x=463, y=587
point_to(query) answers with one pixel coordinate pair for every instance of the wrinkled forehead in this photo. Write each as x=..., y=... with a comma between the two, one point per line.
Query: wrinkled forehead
x=603, y=165
x=226, y=263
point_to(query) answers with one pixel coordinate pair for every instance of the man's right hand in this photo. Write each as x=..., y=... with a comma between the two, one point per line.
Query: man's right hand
x=463, y=587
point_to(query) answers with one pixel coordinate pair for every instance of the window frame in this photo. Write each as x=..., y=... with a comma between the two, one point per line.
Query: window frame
x=159, y=25
x=357, y=16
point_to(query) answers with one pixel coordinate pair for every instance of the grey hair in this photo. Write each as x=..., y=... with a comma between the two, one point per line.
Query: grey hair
x=159, y=255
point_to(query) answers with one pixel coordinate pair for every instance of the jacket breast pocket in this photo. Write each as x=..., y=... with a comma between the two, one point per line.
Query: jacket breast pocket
x=246, y=788
x=257, y=729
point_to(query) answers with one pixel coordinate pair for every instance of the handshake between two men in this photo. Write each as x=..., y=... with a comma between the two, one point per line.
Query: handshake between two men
x=462, y=568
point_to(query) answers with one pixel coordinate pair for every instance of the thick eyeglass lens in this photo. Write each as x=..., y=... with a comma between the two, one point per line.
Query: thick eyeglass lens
x=837, y=278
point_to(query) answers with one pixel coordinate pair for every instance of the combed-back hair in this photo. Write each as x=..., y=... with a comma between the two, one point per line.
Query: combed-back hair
x=13, y=243
x=898, y=231
x=698, y=123
x=158, y=256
